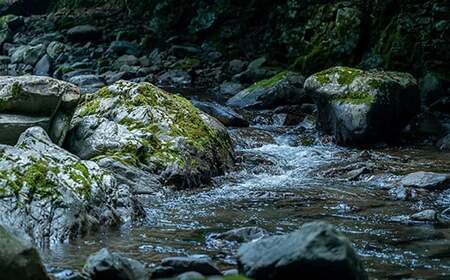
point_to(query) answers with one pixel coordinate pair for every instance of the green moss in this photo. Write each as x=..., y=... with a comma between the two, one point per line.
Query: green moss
x=268, y=82
x=90, y=108
x=356, y=98
x=345, y=75
x=79, y=173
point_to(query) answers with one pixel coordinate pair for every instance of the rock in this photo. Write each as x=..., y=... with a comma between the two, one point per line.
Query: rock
x=433, y=87
x=67, y=275
x=27, y=101
x=245, y=234
x=426, y=215
x=191, y=275
x=18, y=259
x=354, y=106
x=54, y=49
x=84, y=33
x=282, y=89
x=148, y=128
x=88, y=83
x=129, y=60
x=316, y=251
x=198, y=263
x=124, y=48
x=61, y=197
x=184, y=51
x=112, y=266
x=226, y=116
x=426, y=180
x=236, y=66
x=425, y=125
x=43, y=67
x=8, y=26
x=229, y=89
x=444, y=143
x=28, y=54
x=175, y=79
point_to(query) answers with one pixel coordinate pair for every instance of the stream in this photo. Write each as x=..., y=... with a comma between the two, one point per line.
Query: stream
x=284, y=177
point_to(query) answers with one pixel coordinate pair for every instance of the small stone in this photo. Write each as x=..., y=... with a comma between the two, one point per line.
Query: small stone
x=426, y=215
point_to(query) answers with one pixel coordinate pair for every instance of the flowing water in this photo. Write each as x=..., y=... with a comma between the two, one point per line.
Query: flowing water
x=285, y=177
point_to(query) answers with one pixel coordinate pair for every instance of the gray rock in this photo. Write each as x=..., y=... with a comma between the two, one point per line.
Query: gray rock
x=43, y=67
x=282, y=89
x=198, y=263
x=68, y=275
x=31, y=100
x=84, y=33
x=113, y=266
x=426, y=180
x=28, y=54
x=354, y=106
x=229, y=89
x=175, y=79
x=18, y=259
x=444, y=143
x=316, y=251
x=190, y=275
x=226, y=116
x=62, y=197
x=54, y=49
x=88, y=83
x=245, y=234
x=425, y=215
x=236, y=66
x=124, y=48
x=129, y=60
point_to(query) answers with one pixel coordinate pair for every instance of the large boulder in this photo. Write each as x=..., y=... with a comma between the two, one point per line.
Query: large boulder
x=29, y=101
x=18, y=259
x=360, y=107
x=282, y=89
x=426, y=180
x=316, y=251
x=145, y=127
x=54, y=196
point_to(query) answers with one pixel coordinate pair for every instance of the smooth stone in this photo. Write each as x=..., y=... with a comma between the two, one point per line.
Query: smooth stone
x=426, y=180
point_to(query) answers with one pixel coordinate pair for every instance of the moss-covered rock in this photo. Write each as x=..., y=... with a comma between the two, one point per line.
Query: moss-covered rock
x=51, y=194
x=355, y=106
x=143, y=126
x=282, y=89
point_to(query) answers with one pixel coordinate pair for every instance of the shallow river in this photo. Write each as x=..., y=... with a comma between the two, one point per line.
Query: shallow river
x=286, y=177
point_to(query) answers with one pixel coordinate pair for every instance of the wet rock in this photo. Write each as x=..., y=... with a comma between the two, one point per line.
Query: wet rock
x=51, y=194
x=18, y=259
x=402, y=193
x=8, y=26
x=226, y=116
x=184, y=51
x=150, y=129
x=282, y=89
x=444, y=143
x=43, y=67
x=426, y=215
x=112, y=266
x=245, y=234
x=434, y=87
x=84, y=33
x=28, y=54
x=315, y=251
x=426, y=180
x=354, y=106
x=27, y=101
x=247, y=138
x=198, y=263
